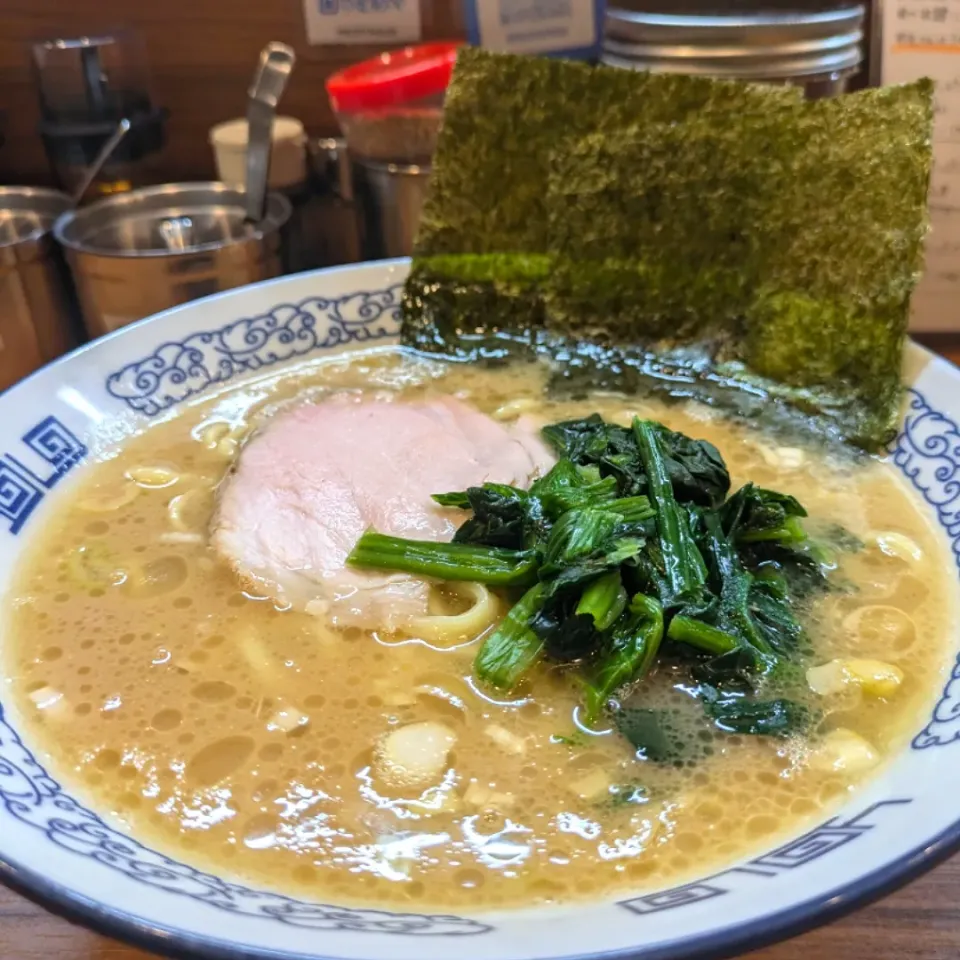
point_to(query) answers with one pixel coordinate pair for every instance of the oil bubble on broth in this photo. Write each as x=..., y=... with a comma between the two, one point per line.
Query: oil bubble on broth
x=236, y=733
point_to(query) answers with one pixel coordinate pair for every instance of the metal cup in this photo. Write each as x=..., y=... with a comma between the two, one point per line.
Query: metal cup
x=391, y=198
x=137, y=253
x=38, y=319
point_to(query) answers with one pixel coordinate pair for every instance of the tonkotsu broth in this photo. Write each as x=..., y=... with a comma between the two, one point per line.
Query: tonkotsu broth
x=149, y=678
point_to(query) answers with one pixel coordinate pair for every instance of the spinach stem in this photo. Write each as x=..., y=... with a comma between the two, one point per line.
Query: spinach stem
x=685, y=572
x=604, y=600
x=695, y=633
x=630, y=655
x=513, y=648
x=495, y=566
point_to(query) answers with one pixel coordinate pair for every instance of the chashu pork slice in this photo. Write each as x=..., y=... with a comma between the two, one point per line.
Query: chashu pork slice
x=316, y=477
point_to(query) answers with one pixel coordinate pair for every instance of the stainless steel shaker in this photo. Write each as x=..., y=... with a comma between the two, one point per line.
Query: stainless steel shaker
x=370, y=209
x=391, y=198
x=38, y=319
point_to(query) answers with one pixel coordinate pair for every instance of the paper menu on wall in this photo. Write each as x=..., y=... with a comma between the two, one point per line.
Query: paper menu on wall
x=921, y=38
x=572, y=28
x=387, y=22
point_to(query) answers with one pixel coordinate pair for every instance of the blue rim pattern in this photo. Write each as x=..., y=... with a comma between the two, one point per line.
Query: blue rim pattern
x=21, y=488
x=293, y=330
x=928, y=452
x=31, y=796
x=714, y=945
x=819, y=842
x=180, y=369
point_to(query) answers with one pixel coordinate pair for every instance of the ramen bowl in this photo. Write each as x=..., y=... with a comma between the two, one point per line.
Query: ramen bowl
x=60, y=851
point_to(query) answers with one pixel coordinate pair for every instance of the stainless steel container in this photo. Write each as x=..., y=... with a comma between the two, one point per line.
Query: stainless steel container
x=371, y=208
x=391, y=197
x=137, y=253
x=818, y=50
x=337, y=236
x=38, y=319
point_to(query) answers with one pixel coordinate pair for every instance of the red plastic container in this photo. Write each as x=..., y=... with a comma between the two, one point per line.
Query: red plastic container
x=390, y=107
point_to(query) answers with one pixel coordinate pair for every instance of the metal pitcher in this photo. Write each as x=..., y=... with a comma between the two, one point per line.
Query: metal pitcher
x=137, y=253
x=38, y=319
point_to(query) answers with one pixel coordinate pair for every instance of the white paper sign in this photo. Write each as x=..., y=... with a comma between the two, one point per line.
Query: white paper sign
x=921, y=38
x=533, y=26
x=386, y=22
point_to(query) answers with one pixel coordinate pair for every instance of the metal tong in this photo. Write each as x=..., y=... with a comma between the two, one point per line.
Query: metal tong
x=269, y=82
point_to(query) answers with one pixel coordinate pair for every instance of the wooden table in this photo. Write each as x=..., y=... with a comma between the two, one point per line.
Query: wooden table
x=920, y=922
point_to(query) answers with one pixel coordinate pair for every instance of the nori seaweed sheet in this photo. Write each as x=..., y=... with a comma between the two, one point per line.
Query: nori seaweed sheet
x=634, y=225
x=505, y=114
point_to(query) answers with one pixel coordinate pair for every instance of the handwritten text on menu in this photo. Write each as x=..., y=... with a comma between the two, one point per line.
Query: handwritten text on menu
x=921, y=38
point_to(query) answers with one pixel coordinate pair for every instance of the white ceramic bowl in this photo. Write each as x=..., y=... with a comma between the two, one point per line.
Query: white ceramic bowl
x=62, y=854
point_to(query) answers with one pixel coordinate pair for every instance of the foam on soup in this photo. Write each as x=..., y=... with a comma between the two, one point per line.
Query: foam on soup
x=236, y=734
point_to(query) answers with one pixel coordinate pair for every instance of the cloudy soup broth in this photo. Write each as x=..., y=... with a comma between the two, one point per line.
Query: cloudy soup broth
x=241, y=733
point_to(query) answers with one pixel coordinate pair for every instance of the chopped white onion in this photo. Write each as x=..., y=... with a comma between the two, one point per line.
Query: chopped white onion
x=843, y=751
x=286, y=718
x=591, y=786
x=415, y=754
x=507, y=741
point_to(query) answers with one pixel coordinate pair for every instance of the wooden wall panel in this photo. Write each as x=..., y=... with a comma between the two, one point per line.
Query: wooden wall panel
x=202, y=54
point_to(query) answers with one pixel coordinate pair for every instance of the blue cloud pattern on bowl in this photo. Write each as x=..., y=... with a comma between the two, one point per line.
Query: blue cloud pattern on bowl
x=927, y=451
x=176, y=371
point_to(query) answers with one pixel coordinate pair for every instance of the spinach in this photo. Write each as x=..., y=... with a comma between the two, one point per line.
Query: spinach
x=733, y=672
x=622, y=552
x=800, y=567
x=703, y=636
x=500, y=515
x=608, y=447
x=578, y=534
x=754, y=515
x=628, y=551
x=696, y=469
x=445, y=561
x=603, y=600
x=682, y=562
x=509, y=652
x=628, y=655
x=648, y=733
x=568, y=637
x=697, y=472
x=676, y=732
x=770, y=718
